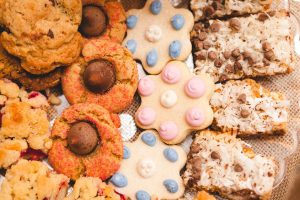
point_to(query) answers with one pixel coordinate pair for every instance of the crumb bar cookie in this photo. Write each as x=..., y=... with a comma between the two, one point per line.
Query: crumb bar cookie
x=207, y=9
x=244, y=47
x=247, y=108
x=224, y=164
x=30, y=180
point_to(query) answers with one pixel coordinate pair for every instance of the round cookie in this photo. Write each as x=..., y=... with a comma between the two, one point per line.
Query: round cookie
x=116, y=95
x=10, y=68
x=158, y=33
x=101, y=159
x=152, y=164
x=103, y=19
x=43, y=34
x=175, y=102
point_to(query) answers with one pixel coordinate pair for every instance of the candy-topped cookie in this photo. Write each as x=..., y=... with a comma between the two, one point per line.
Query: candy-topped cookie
x=105, y=19
x=150, y=169
x=175, y=102
x=158, y=33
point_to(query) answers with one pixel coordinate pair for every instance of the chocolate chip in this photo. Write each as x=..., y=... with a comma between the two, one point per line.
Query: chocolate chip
x=240, y=57
x=235, y=24
x=50, y=34
x=196, y=175
x=227, y=54
x=269, y=55
x=263, y=17
x=217, y=5
x=238, y=168
x=245, y=113
x=251, y=60
x=270, y=174
x=196, y=163
x=198, y=27
x=202, y=36
x=266, y=62
x=201, y=55
x=206, y=45
x=238, y=66
x=195, y=149
x=271, y=13
x=218, y=62
x=208, y=11
x=266, y=46
x=242, y=98
x=215, y=27
x=198, y=45
x=212, y=55
x=229, y=68
x=247, y=54
x=214, y=155
x=235, y=53
x=223, y=78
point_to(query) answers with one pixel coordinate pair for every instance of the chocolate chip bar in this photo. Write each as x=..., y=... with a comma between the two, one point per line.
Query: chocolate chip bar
x=223, y=163
x=209, y=9
x=257, y=45
x=246, y=108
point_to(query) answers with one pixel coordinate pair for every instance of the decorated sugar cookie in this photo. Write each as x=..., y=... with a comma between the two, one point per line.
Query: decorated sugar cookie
x=158, y=33
x=150, y=169
x=175, y=102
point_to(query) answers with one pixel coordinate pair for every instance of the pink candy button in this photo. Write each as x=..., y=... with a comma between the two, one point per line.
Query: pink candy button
x=195, y=87
x=171, y=74
x=146, y=116
x=168, y=130
x=194, y=117
x=146, y=86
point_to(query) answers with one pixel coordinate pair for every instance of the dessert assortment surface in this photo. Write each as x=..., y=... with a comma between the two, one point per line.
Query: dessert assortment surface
x=185, y=135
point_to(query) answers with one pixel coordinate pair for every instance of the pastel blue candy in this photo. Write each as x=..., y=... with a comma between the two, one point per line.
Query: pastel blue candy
x=175, y=49
x=149, y=139
x=126, y=153
x=119, y=180
x=171, y=154
x=152, y=57
x=131, y=21
x=142, y=195
x=131, y=45
x=155, y=7
x=171, y=185
x=177, y=21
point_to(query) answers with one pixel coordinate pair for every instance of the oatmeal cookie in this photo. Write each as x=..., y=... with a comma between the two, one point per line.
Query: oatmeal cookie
x=107, y=76
x=86, y=142
x=32, y=180
x=43, y=34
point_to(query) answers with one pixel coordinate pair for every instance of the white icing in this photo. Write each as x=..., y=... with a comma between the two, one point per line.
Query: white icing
x=168, y=98
x=146, y=168
x=153, y=33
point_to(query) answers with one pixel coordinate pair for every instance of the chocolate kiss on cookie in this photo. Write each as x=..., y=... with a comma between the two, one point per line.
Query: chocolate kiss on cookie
x=94, y=21
x=99, y=76
x=82, y=138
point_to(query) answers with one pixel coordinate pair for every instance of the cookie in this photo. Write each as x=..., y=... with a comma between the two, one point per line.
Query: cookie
x=133, y=4
x=10, y=68
x=33, y=180
x=223, y=163
x=247, y=108
x=175, y=102
x=103, y=19
x=227, y=49
x=91, y=188
x=43, y=34
x=86, y=142
x=107, y=76
x=150, y=169
x=158, y=33
x=23, y=119
x=204, y=9
x=202, y=195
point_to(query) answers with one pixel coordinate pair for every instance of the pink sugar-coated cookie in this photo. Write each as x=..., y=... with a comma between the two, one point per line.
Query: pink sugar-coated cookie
x=121, y=94
x=104, y=160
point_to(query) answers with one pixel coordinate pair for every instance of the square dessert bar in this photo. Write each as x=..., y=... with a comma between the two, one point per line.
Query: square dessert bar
x=208, y=9
x=224, y=164
x=257, y=45
x=246, y=108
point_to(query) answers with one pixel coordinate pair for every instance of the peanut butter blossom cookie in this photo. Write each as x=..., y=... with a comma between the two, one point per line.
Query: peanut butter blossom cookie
x=86, y=142
x=175, y=102
x=150, y=169
x=158, y=33
x=107, y=76
x=103, y=19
